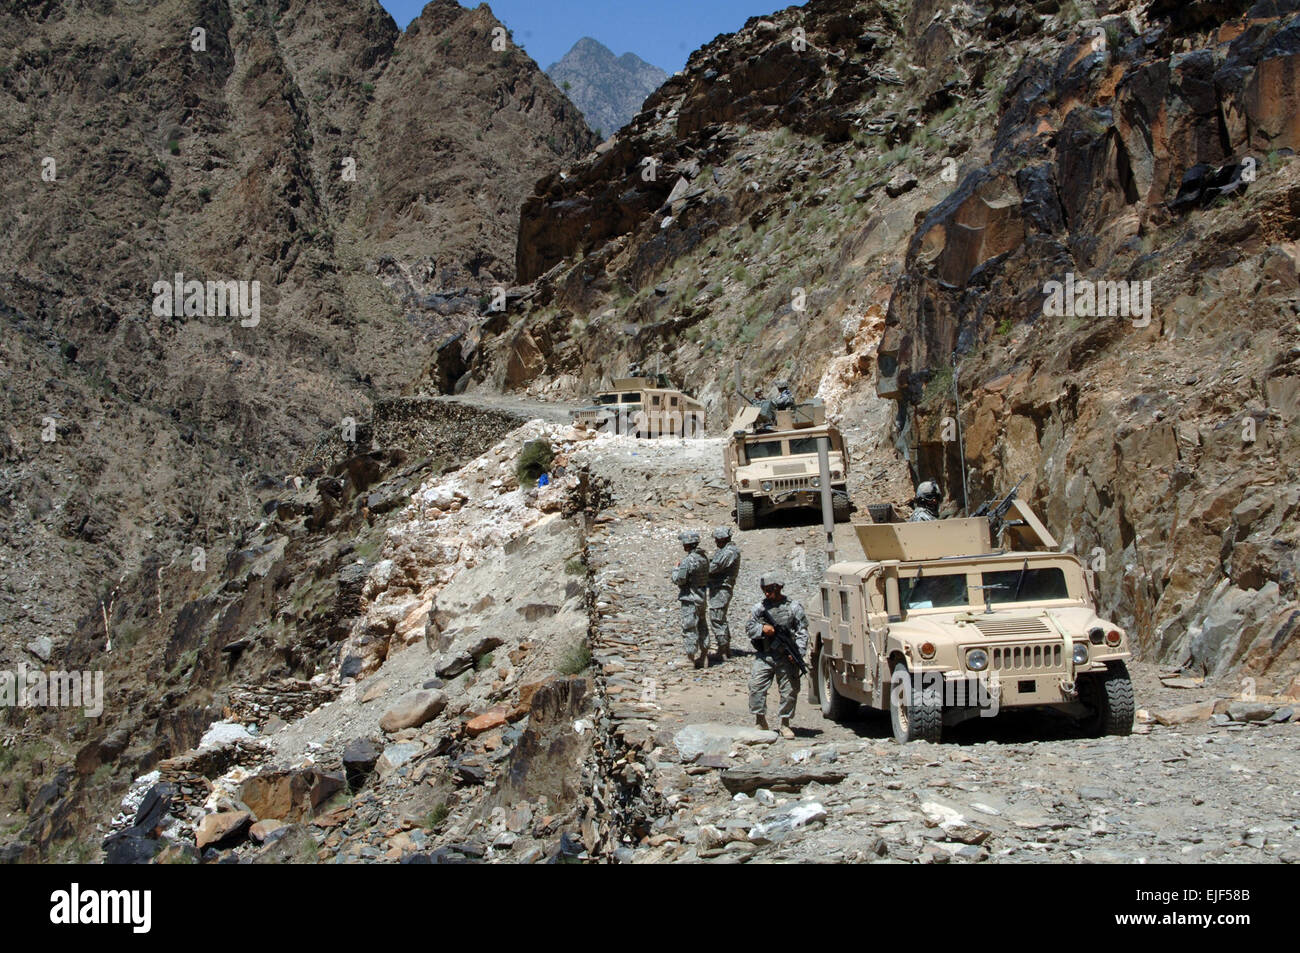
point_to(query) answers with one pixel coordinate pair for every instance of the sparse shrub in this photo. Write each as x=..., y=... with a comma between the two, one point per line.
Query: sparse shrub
x=437, y=817
x=484, y=662
x=534, y=460
x=575, y=566
x=173, y=147
x=574, y=659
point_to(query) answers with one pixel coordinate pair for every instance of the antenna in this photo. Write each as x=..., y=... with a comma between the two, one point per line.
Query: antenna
x=961, y=447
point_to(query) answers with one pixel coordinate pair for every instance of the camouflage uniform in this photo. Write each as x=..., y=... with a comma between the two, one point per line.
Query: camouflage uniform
x=692, y=579
x=785, y=397
x=724, y=566
x=769, y=664
x=921, y=515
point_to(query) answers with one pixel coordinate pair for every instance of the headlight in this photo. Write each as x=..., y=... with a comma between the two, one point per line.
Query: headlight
x=816, y=482
x=1080, y=653
x=977, y=660
x=1095, y=635
x=767, y=486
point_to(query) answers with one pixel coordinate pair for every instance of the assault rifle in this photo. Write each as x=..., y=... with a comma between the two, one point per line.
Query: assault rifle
x=784, y=642
x=996, y=512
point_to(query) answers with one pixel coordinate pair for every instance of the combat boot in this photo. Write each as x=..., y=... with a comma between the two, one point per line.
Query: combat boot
x=760, y=721
x=786, y=731
x=701, y=659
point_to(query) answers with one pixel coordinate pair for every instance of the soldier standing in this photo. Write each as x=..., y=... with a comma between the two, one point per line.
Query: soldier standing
x=926, y=503
x=724, y=566
x=770, y=662
x=692, y=579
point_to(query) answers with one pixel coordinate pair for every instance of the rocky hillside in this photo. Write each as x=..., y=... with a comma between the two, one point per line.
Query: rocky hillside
x=608, y=89
x=807, y=200
x=286, y=143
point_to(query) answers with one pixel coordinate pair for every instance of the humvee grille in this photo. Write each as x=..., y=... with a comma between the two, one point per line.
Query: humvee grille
x=1022, y=658
x=791, y=484
x=996, y=627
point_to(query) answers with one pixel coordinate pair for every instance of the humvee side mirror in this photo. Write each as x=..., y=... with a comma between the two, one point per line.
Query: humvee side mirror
x=892, y=606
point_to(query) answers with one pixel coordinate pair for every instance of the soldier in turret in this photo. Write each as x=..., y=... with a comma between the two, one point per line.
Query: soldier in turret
x=926, y=502
x=784, y=396
x=692, y=579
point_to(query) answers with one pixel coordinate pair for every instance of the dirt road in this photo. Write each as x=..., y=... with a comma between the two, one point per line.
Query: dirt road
x=1018, y=788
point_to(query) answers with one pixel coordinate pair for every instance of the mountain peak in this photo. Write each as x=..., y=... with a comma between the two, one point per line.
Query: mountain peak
x=608, y=89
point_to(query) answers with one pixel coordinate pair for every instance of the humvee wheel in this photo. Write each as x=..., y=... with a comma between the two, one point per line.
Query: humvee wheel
x=834, y=705
x=841, y=507
x=914, y=716
x=745, y=512
x=1110, y=696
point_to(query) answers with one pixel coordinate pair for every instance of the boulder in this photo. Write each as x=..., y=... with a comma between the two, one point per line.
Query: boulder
x=414, y=709
x=709, y=738
x=359, y=759
x=749, y=779
x=222, y=829
x=289, y=795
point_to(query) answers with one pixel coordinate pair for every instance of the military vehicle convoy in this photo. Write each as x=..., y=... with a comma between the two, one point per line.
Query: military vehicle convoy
x=643, y=406
x=940, y=623
x=771, y=464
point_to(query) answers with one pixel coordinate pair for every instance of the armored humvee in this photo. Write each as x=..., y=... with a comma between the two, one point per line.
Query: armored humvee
x=773, y=466
x=936, y=625
x=643, y=407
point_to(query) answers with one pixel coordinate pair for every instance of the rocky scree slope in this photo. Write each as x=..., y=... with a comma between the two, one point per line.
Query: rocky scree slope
x=126, y=434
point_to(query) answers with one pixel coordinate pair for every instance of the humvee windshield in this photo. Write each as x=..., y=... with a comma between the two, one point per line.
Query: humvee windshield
x=630, y=399
x=803, y=445
x=934, y=592
x=1026, y=585
x=764, y=448
x=607, y=398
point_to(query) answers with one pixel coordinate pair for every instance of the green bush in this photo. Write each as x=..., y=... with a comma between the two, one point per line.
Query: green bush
x=534, y=460
x=575, y=659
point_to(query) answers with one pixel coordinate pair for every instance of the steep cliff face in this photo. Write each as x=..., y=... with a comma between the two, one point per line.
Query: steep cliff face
x=853, y=195
x=309, y=147
x=1158, y=434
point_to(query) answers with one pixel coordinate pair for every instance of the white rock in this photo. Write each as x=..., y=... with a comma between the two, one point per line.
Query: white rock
x=224, y=733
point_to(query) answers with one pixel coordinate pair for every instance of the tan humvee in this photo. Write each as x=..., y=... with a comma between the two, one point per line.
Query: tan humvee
x=936, y=626
x=643, y=407
x=777, y=469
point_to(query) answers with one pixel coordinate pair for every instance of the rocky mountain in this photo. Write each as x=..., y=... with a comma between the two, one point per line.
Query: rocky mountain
x=817, y=205
x=367, y=180
x=1081, y=220
x=608, y=89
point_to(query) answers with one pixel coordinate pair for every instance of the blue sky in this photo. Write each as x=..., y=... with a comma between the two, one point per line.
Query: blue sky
x=662, y=32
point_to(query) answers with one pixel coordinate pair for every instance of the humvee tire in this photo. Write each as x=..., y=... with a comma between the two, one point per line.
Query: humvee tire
x=745, y=512
x=841, y=507
x=834, y=705
x=1110, y=696
x=922, y=720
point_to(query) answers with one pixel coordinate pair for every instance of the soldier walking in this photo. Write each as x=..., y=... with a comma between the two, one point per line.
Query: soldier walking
x=770, y=663
x=692, y=579
x=724, y=566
